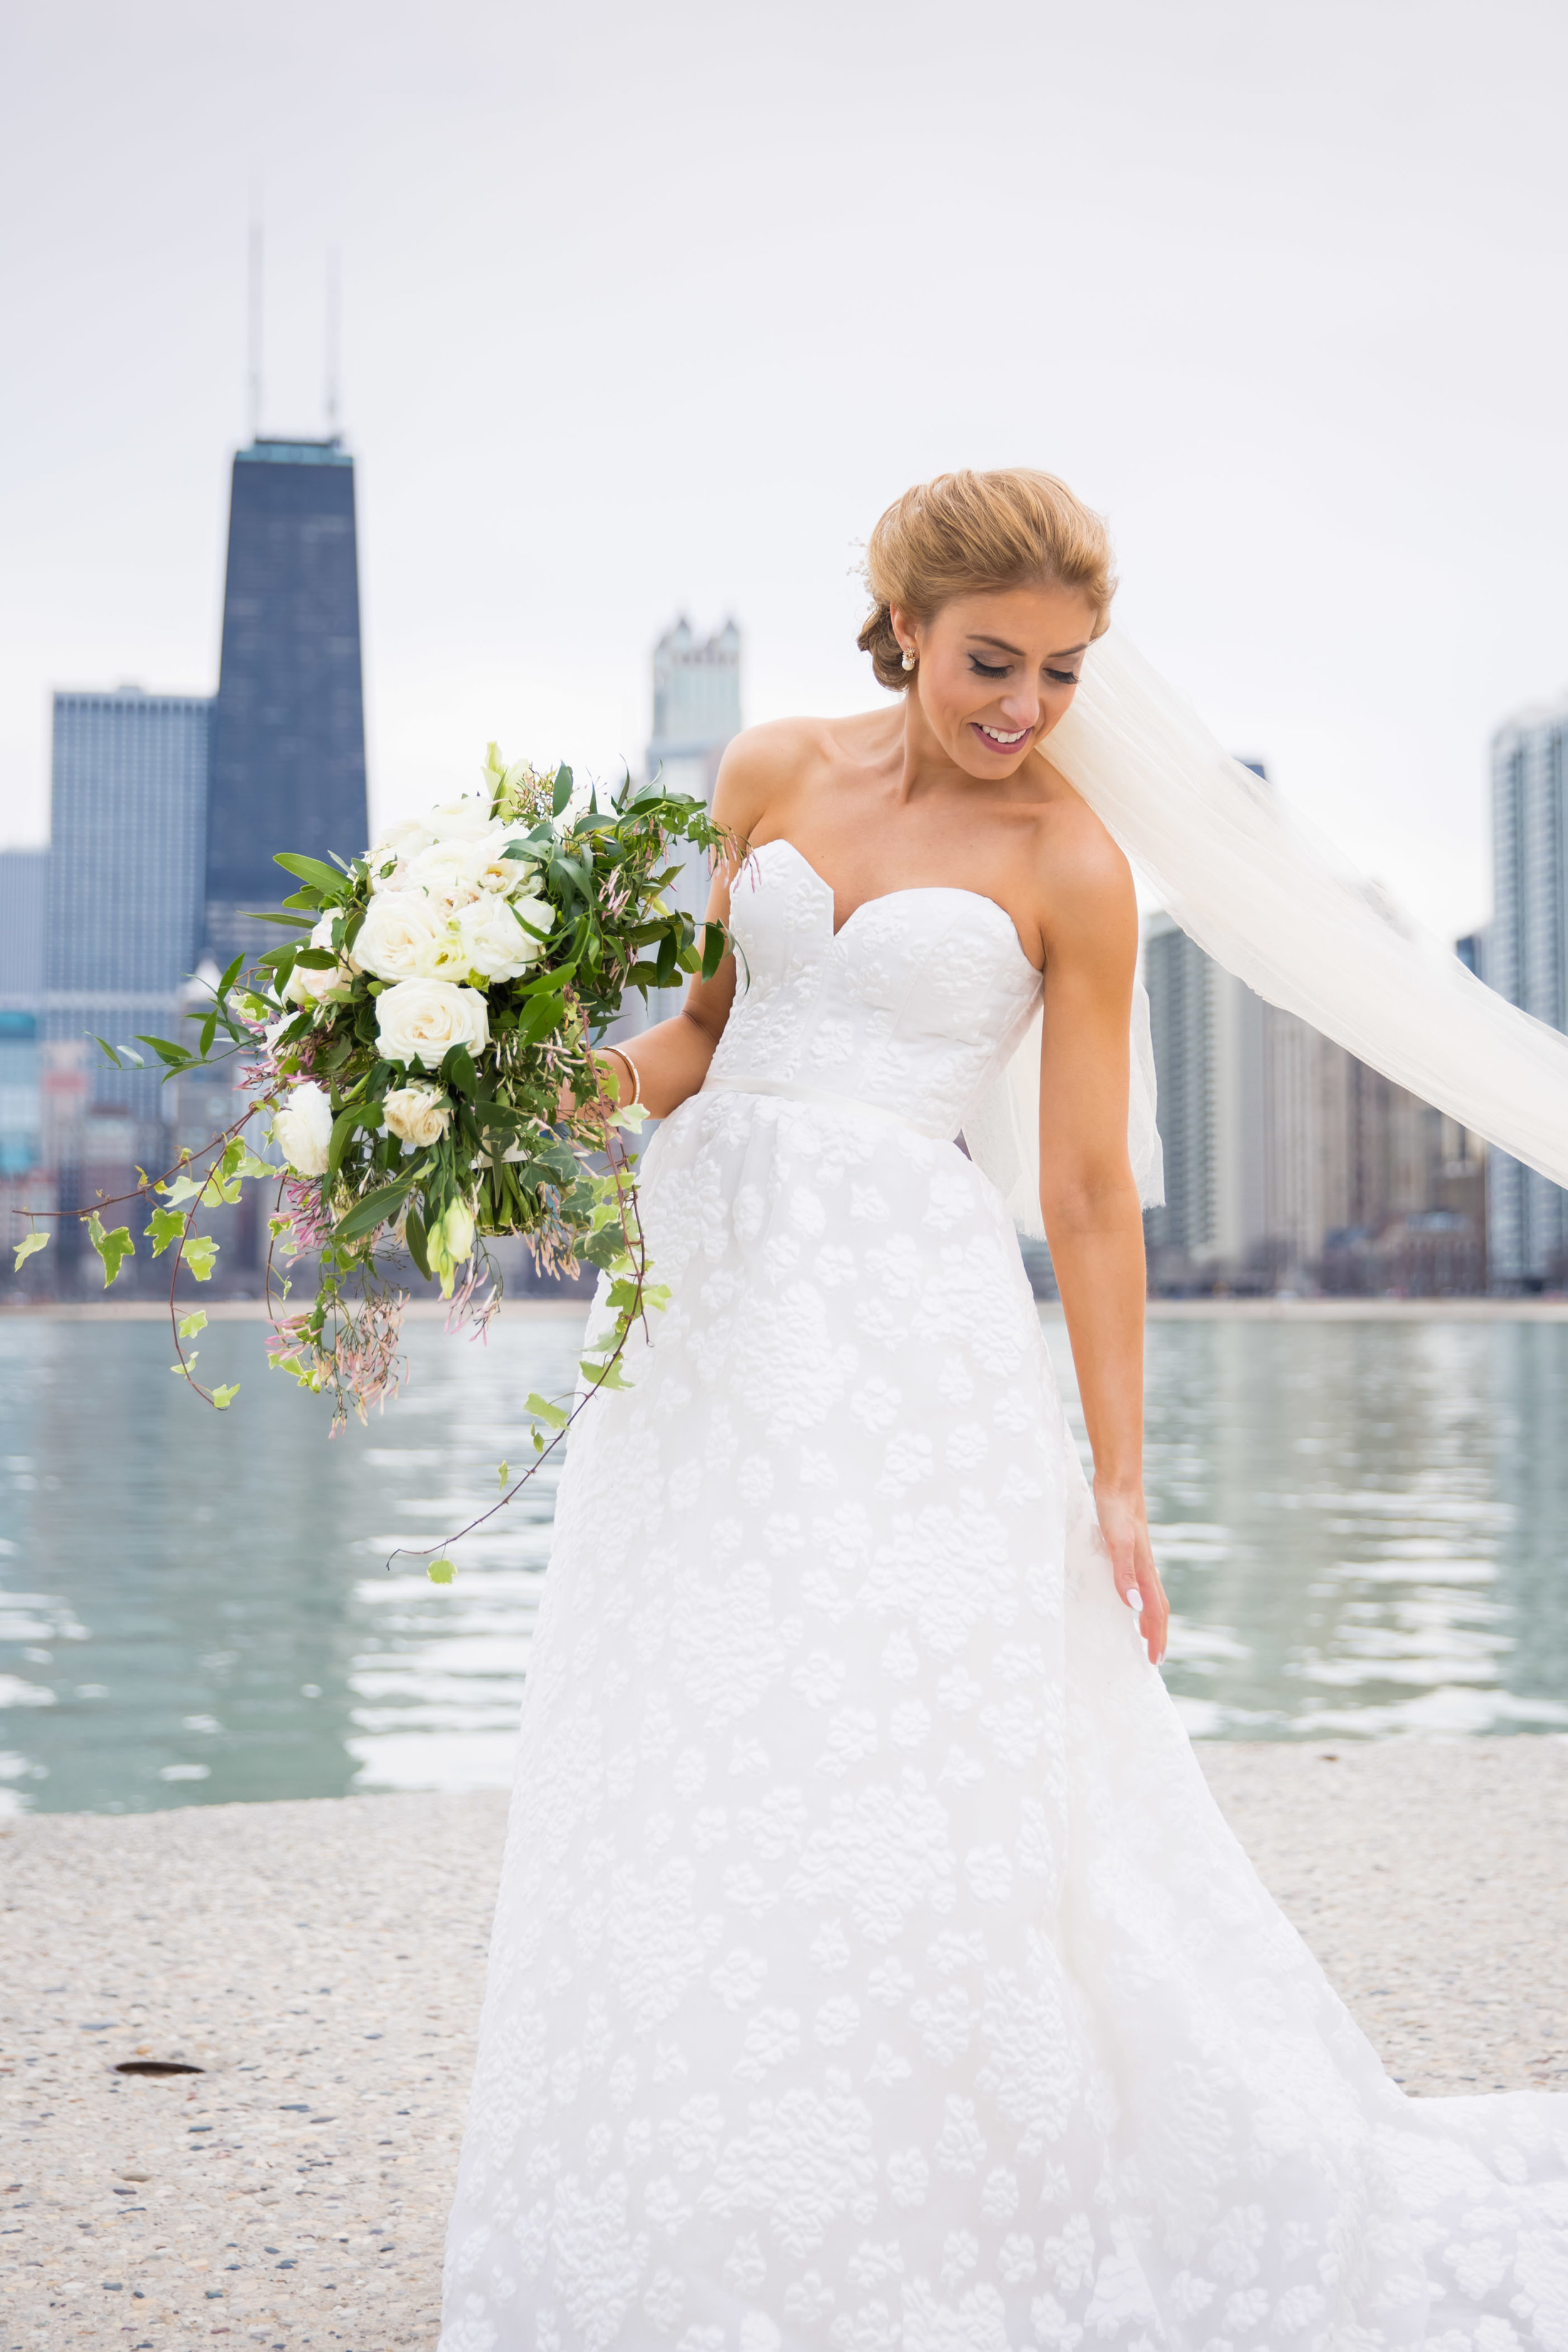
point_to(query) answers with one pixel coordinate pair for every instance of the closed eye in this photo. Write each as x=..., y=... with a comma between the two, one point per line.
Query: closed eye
x=1063, y=677
x=987, y=669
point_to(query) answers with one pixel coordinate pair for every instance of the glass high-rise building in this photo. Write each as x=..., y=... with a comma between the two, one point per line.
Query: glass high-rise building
x=288, y=744
x=1525, y=958
x=125, y=876
x=24, y=888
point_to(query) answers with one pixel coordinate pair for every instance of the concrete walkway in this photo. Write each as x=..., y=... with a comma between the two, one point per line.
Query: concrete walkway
x=321, y=1965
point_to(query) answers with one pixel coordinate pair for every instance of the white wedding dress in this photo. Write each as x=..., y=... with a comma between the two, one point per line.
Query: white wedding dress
x=872, y=1971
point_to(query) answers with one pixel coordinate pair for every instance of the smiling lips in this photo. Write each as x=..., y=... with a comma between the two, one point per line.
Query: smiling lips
x=997, y=740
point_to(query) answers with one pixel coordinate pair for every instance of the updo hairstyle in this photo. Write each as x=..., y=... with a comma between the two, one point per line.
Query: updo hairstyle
x=966, y=533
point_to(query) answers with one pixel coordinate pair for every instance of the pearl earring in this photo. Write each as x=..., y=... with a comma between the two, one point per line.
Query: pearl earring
x=908, y=659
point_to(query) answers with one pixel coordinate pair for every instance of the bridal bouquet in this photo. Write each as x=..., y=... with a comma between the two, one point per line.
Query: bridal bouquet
x=412, y=1048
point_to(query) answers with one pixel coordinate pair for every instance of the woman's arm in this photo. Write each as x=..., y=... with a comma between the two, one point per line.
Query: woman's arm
x=1089, y=1199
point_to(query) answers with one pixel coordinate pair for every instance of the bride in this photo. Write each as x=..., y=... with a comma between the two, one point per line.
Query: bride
x=872, y=1971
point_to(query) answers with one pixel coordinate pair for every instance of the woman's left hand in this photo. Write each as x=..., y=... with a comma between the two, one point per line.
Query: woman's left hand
x=1124, y=1524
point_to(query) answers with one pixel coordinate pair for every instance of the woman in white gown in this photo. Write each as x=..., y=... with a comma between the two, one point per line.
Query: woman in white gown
x=872, y=1971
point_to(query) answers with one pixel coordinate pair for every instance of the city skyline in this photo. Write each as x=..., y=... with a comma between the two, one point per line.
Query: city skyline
x=1229, y=312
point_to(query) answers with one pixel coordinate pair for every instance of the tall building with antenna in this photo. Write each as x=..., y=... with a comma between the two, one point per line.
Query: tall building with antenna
x=287, y=735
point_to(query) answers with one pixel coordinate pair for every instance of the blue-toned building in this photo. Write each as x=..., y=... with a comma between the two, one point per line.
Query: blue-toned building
x=24, y=891
x=24, y=887
x=21, y=1105
x=125, y=878
x=1525, y=956
x=288, y=743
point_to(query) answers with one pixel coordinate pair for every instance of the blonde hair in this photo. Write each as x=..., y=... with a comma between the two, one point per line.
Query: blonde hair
x=966, y=533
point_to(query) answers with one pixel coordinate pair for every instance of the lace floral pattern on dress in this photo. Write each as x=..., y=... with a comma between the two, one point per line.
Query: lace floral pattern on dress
x=872, y=1971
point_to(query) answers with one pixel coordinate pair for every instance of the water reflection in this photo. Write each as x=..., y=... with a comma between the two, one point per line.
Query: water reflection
x=1363, y=1525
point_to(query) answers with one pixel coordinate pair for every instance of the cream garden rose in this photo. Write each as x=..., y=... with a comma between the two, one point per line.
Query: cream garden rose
x=388, y=860
x=421, y=1021
x=460, y=820
x=447, y=873
x=418, y=1114
x=307, y=984
x=303, y=1129
x=404, y=937
x=494, y=870
x=494, y=942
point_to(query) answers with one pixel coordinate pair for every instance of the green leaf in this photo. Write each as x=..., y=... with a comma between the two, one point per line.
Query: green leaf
x=562, y=792
x=189, y=1325
x=413, y=1235
x=606, y=1375
x=344, y=1126
x=113, y=1247
x=714, y=943
x=183, y=1188
x=503, y=1474
x=164, y=1226
x=26, y=1248
x=223, y=1397
x=294, y=922
x=555, y=1415
x=373, y=1211
x=458, y=1070
x=441, y=1571
x=324, y=878
x=199, y=1256
x=538, y=1019
x=174, y=1057
x=105, y=1047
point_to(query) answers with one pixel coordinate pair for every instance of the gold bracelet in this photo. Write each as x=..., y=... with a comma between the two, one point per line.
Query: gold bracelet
x=635, y=1074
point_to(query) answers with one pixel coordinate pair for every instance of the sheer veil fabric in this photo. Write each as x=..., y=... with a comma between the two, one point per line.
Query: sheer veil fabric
x=1277, y=905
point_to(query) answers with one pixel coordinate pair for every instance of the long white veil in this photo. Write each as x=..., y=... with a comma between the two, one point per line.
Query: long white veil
x=1275, y=904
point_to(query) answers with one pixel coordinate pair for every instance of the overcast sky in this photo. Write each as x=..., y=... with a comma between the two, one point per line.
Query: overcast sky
x=653, y=309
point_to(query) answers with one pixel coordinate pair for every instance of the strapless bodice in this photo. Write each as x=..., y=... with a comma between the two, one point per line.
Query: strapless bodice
x=911, y=1008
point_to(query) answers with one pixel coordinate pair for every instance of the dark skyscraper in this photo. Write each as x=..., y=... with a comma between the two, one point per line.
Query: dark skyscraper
x=288, y=739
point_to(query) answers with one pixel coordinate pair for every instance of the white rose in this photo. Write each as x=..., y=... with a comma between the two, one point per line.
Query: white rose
x=446, y=872
x=494, y=942
x=404, y=937
x=493, y=870
x=406, y=838
x=460, y=820
x=302, y=1129
x=422, y=1019
x=307, y=984
x=418, y=1114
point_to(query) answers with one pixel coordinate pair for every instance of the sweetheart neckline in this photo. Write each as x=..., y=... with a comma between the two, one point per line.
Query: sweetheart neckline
x=907, y=890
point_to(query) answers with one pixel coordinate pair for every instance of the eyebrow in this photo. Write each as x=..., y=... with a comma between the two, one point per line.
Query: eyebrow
x=975, y=638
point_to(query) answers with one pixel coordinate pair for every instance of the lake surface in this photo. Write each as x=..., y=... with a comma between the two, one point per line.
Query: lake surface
x=1363, y=1528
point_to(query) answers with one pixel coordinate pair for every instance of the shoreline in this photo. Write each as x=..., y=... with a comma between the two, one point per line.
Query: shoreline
x=322, y=1961
x=1157, y=1310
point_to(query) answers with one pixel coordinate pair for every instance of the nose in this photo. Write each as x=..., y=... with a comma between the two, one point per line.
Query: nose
x=1021, y=706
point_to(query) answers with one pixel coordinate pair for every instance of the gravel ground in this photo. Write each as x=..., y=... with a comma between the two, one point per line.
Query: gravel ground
x=321, y=1964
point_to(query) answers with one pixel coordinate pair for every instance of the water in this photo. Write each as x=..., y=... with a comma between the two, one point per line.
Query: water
x=1363, y=1528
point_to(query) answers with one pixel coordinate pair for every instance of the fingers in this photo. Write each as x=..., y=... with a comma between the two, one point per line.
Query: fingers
x=1154, y=1623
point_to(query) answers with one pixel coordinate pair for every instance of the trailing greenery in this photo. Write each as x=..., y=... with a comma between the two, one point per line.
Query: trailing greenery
x=421, y=1052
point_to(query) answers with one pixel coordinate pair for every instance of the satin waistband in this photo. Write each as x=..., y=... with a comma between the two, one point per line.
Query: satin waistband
x=789, y=1090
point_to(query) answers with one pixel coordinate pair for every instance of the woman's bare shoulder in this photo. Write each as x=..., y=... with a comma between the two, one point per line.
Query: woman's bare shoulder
x=1085, y=880
x=773, y=761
